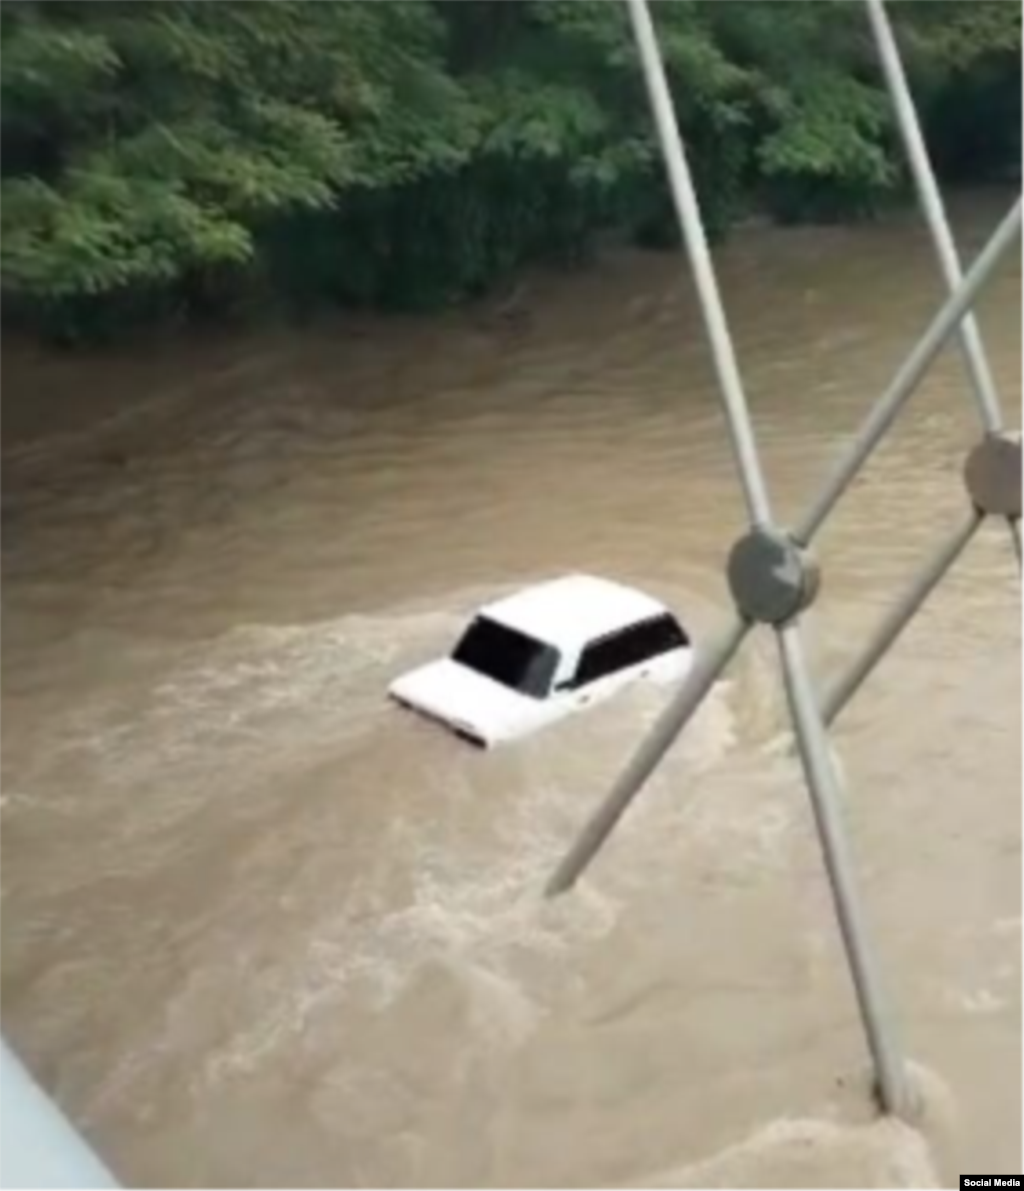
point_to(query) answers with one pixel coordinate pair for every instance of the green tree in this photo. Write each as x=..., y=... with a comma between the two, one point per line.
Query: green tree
x=182, y=155
x=146, y=145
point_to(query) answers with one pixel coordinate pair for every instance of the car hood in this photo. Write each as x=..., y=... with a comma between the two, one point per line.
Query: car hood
x=463, y=699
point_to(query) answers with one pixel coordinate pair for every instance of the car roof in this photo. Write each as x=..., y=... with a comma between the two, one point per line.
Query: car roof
x=572, y=610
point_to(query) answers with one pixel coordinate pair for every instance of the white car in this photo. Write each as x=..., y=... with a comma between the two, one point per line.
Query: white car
x=544, y=653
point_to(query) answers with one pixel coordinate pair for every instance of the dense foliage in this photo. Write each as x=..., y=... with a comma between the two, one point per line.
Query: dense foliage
x=177, y=156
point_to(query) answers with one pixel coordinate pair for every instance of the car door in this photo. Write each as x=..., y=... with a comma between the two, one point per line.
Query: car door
x=605, y=665
x=639, y=650
x=667, y=653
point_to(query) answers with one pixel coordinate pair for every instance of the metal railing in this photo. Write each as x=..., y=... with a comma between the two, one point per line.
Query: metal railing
x=38, y=1145
x=772, y=576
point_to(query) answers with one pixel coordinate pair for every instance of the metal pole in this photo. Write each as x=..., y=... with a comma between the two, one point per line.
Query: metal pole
x=706, y=671
x=980, y=373
x=823, y=786
x=40, y=1147
x=688, y=212
x=910, y=374
x=897, y=619
x=741, y=433
x=975, y=357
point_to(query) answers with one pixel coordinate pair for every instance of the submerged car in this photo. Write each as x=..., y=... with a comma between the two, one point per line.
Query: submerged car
x=533, y=658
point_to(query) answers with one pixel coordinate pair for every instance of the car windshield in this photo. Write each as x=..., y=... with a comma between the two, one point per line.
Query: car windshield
x=507, y=656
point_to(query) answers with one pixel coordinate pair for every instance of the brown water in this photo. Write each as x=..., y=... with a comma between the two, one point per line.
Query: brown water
x=263, y=930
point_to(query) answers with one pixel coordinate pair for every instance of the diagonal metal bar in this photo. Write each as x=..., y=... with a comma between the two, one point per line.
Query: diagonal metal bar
x=899, y=616
x=910, y=375
x=823, y=786
x=986, y=396
x=810, y=729
x=707, y=670
x=684, y=198
x=975, y=357
x=741, y=436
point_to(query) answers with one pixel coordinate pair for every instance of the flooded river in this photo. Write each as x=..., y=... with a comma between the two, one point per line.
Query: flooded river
x=261, y=929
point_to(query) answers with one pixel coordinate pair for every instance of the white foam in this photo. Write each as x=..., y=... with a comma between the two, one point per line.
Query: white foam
x=472, y=916
x=806, y=1152
x=252, y=703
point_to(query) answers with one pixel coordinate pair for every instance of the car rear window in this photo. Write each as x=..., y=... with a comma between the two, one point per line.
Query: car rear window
x=507, y=656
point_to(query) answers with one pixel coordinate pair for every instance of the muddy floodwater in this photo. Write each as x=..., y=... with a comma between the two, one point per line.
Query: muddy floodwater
x=261, y=929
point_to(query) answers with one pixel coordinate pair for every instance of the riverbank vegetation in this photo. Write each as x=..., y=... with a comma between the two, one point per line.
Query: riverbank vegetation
x=181, y=159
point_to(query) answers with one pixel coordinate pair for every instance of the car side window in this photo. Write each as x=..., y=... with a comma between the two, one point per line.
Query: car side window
x=603, y=657
x=629, y=647
x=664, y=633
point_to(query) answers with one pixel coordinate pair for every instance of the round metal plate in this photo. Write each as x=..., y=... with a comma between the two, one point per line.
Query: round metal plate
x=993, y=475
x=771, y=577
